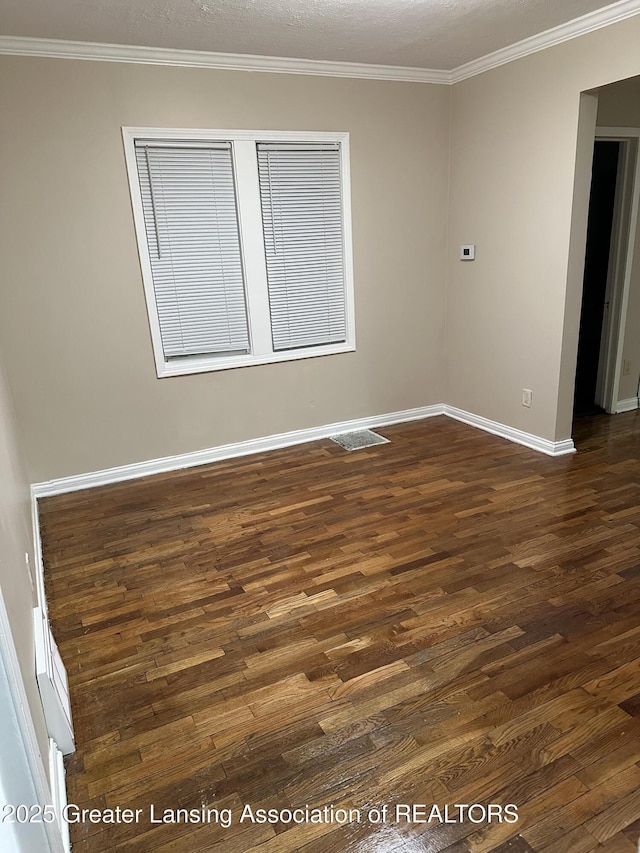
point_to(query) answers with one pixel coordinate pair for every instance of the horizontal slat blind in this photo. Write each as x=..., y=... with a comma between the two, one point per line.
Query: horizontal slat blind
x=191, y=222
x=301, y=203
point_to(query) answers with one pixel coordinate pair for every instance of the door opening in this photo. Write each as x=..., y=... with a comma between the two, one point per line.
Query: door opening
x=595, y=303
x=609, y=263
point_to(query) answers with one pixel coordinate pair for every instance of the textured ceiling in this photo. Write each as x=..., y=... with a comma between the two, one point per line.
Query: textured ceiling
x=438, y=34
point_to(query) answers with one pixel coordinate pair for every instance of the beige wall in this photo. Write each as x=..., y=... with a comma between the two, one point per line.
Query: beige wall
x=72, y=313
x=619, y=106
x=514, y=145
x=16, y=539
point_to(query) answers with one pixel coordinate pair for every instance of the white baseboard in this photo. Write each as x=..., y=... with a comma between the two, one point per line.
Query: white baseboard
x=38, y=567
x=543, y=445
x=626, y=405
x=288, y=439
x=225, y=451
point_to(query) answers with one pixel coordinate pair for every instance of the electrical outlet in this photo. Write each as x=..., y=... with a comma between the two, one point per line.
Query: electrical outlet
x=526, y=397
x=626, y=367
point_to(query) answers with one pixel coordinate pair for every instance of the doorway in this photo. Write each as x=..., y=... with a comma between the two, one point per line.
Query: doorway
x=611, y=232
x=595, y=304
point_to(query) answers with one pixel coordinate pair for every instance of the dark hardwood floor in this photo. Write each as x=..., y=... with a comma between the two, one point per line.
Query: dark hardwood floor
x=446, y=619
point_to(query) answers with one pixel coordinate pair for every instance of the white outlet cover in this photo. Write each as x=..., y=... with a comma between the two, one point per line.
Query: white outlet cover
x=468, y=252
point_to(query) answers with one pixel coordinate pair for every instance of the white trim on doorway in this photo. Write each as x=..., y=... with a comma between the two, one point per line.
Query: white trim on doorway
x=35, y=760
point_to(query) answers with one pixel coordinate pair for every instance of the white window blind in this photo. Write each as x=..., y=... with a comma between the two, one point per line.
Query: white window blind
x=191, y=224
x=300, y=193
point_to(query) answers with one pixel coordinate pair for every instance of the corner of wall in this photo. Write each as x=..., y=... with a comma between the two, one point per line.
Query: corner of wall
x=587, y=118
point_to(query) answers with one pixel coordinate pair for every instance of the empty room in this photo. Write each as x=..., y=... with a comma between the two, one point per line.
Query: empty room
x=319, y=428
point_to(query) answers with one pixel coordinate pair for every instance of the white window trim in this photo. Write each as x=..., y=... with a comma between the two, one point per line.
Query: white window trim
x=245, y=170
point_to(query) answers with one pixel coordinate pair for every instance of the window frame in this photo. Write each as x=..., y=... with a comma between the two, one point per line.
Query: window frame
x=245, y=167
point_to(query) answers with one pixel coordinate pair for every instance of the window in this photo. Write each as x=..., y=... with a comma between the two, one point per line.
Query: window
x=245, y=245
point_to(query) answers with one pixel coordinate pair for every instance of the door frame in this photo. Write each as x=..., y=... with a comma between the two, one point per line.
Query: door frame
x=623, y=236
x=51, y=674
x=26, y=766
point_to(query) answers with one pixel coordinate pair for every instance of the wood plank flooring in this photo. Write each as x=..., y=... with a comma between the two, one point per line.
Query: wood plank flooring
x=446, y=619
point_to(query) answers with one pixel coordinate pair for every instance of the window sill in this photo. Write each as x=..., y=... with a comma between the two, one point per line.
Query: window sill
x=208, y=365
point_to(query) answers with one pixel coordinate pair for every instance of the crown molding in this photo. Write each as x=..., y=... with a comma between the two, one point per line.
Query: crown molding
x=564, y=32
x=52, y=48
x=58, y=49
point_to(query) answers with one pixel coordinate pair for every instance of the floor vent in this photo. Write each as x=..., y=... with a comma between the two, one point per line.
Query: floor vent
x=358, y=440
